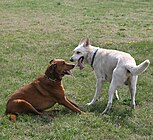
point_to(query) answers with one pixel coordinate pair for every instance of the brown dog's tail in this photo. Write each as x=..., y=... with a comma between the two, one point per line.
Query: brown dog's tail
x=136, y=70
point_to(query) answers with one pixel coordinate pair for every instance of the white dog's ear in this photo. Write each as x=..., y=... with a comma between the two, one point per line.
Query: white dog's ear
x=85, y=42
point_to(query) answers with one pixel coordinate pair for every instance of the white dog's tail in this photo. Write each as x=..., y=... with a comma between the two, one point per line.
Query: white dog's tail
x=136, y=70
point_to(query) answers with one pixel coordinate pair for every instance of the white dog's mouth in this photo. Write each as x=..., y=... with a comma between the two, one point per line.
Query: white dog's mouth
x=80, y=62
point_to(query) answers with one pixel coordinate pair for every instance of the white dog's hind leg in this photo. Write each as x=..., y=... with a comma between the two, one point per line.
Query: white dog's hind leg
x=97, y=92
x=111, y=92
x=116, y=95
x=117, y=80
x=132, y=88
x=110, y=104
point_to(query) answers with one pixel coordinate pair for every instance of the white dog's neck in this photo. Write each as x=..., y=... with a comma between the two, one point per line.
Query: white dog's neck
x=91, y=51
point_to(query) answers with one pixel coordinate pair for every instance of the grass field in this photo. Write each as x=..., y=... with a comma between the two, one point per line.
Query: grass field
x=34, y=31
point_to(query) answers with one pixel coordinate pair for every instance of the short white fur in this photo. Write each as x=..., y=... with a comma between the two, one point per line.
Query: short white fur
x=117, y=67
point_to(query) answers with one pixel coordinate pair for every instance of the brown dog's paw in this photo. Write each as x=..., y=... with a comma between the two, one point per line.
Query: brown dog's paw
x=83, y=113
x=12, y=117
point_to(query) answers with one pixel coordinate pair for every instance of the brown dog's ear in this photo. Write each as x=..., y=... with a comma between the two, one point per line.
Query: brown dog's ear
x=52, y=68
x=51, y=61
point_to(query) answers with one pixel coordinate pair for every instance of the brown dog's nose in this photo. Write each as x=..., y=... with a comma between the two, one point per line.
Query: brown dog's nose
x=71, y=59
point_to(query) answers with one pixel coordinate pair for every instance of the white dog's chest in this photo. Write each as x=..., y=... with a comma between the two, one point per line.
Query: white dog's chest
x=104, y=66
x=103, y=72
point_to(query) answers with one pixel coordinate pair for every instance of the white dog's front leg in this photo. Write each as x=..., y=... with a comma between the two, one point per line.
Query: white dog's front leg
x=97, y=92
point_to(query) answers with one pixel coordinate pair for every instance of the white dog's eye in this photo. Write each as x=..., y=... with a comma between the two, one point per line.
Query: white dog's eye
x=78, y=52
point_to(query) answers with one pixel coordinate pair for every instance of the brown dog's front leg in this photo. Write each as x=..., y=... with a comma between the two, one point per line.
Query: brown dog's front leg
x=70, y=105
x=73, y=103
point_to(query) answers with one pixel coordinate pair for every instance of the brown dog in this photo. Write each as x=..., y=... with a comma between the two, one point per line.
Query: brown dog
x=43, y=92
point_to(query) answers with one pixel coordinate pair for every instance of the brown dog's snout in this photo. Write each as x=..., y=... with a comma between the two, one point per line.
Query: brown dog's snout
x=71, y=66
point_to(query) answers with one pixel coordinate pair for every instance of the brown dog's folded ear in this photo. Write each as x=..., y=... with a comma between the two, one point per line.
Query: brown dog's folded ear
x=52, y=68
x=51, y=61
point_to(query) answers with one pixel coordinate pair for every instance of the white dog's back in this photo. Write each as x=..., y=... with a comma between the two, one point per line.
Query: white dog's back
x=111, y=58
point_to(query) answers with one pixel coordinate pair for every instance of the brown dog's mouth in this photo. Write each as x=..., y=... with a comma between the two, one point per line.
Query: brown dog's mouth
x=67, y=72
x=80, y=62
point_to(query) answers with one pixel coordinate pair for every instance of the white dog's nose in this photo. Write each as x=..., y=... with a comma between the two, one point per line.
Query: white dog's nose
x=71, y=59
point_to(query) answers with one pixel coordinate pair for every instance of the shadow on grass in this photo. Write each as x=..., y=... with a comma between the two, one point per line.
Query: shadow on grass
x=120, y=112
x=46, y=117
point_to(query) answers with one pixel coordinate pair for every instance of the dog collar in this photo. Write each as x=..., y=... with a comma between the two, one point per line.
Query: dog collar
x=92, y=61
x=50, y=78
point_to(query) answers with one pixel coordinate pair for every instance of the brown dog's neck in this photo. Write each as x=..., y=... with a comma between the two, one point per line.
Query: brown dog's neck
x=53, y=80
x=52, y=76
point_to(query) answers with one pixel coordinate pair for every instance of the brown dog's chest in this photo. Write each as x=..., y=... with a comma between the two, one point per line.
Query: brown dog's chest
x=50, y=90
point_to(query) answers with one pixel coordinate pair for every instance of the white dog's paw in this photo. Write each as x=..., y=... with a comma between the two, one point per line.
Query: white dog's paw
x=92, y=102
x=133, y=106
x=88, y=104
x=108, y=107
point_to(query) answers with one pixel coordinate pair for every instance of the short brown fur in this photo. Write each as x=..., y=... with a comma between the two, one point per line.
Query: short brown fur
x=42, y=93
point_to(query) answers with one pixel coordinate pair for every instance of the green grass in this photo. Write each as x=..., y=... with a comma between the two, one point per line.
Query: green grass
x=34, y=31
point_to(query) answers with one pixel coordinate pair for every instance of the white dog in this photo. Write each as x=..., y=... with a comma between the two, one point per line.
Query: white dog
x=115, y=66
